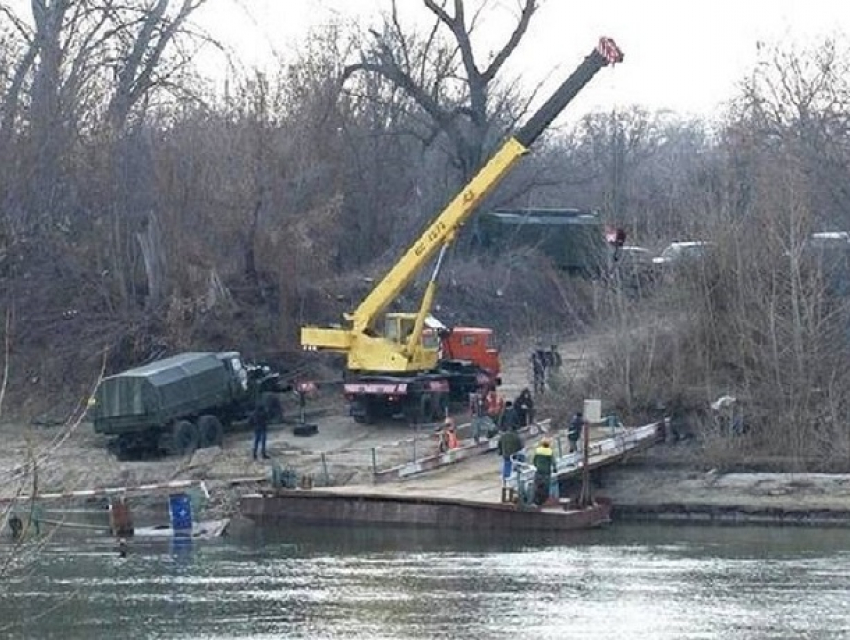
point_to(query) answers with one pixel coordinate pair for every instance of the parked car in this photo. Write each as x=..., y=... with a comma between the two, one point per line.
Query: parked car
x=678, y=252
x=830, y=240
x=829, y=253
x=634, y=265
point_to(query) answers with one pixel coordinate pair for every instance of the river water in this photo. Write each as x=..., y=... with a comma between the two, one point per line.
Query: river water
x=627, y=581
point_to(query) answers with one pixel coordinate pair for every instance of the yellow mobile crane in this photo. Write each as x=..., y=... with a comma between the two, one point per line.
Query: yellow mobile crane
x=390, y=368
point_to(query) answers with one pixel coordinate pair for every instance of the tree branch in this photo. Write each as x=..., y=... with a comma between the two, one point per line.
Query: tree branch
x=528, y=10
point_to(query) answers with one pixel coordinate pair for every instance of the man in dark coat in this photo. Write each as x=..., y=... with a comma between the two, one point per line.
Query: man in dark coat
x=524, y=404
x=509, y=444
x=509, y=420
x=575, y=430
x=259, y=420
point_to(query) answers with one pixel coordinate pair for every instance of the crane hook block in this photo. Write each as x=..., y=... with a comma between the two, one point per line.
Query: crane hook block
x=609, y=50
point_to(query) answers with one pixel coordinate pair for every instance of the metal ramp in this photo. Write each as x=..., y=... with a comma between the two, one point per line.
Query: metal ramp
x=600, y=453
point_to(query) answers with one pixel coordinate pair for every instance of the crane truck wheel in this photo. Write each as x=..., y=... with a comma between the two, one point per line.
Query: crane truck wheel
x=185, y=437
x=211, y=431
x=362, y=411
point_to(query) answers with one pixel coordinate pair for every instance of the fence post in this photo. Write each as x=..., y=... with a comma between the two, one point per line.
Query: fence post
x=325, y=470
x=374, y=462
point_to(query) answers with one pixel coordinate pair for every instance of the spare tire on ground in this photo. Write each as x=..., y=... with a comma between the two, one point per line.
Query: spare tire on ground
x=304, y=429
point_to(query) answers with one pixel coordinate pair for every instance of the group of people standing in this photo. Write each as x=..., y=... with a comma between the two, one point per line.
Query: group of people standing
x=545, y=465
x=544, y=362
x=491, y=414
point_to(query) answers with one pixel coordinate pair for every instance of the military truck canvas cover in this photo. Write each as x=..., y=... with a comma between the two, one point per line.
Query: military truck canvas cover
x=573, y=238
x=162, y=390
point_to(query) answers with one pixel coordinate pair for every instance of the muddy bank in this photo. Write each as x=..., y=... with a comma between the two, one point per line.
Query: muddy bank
x=666, y=484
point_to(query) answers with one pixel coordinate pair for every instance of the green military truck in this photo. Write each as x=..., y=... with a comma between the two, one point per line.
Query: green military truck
x=179, y=404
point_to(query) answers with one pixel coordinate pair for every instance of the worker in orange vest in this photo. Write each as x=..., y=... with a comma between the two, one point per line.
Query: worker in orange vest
x=448, y=436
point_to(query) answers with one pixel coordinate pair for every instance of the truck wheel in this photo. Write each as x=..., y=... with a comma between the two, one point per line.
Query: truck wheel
x=418, y=410
x=211, y=431
x=184, y=437
x=362, y=411
x=121, y=448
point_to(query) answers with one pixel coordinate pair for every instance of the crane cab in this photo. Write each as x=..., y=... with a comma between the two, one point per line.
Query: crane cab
x=473, y=344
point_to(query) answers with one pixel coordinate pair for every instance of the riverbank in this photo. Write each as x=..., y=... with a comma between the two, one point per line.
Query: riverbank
x=665, y=484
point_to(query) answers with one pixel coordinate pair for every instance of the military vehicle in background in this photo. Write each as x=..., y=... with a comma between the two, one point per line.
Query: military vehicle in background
x=574, y=239
x=179, y=404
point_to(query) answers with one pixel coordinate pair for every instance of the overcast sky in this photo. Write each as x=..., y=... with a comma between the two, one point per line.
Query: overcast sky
x=682, y=55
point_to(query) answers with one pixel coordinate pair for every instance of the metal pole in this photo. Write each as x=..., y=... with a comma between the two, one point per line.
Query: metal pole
x=374, y=462
x=585, y=471
x=325, y=469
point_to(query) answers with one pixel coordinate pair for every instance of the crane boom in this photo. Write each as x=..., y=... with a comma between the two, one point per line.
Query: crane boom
x=446, y=226
x=397, y=349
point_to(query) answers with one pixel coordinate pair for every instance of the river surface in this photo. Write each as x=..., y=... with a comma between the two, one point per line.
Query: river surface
x=623, y=582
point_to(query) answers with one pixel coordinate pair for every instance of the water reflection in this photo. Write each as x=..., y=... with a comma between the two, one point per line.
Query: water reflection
x=627, y=582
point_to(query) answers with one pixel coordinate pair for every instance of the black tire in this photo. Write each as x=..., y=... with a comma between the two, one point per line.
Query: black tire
x=305, y=430
x=184, y=438
x=413, y=409
x=120, y=448
x=211, y=431
x=362, y=411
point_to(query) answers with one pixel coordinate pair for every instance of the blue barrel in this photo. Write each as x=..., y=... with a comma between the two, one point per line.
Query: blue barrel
x=180, y=506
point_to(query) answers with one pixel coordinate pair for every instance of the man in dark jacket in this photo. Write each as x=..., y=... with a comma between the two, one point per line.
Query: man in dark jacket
x=575, y=430
x=524, y=404
x=509, y=420
x=259, y=420
x=509, y=444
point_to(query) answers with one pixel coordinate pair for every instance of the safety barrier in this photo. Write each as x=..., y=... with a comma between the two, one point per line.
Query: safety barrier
x=600, y=453
x=106, y=492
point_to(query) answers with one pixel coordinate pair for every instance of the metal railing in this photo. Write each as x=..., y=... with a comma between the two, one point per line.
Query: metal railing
x=624, y=440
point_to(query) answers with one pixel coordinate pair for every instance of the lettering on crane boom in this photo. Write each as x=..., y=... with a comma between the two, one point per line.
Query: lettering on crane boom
x=432, y=236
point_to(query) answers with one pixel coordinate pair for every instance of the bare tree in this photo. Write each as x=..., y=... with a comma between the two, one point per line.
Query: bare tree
x=427, y=69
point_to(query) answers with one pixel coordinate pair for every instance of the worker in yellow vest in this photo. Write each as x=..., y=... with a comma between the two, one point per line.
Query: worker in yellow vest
x=544, y=465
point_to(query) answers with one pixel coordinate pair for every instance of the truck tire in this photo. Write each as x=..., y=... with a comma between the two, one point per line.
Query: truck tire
x=362, y=411
x=418, y=410
x=211, y=431
x=121, y=448
x=184, y=438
